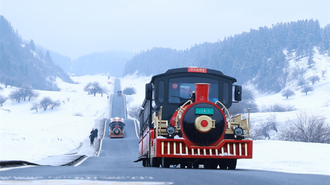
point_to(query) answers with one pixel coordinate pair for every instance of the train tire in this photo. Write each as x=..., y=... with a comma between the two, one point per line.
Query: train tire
x=165, y=162
x=144, y=163
x=155, y=162
x=195, y=165
x=210, y=165
x=231, y=163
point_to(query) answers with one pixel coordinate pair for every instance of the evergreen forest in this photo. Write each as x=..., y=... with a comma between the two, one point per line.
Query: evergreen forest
x=258, y=56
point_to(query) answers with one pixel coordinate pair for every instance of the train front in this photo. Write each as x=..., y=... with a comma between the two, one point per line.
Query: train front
x=202, y=132
x=116, y=127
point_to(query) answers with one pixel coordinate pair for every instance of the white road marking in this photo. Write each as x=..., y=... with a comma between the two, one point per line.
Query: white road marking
x=74, y=182
x=13, y=168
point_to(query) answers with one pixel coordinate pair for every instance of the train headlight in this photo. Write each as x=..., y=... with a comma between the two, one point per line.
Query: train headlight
x=204, y=123
x=170, y=131
x=238, y=131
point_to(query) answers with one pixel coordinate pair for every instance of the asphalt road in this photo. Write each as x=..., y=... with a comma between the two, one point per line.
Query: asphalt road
x=115, y=165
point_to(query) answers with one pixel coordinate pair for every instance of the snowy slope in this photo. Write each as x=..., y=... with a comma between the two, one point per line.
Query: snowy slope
x=30, y=135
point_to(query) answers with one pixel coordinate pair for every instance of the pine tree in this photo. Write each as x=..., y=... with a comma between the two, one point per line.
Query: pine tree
x=48, y=58
x=32, y=46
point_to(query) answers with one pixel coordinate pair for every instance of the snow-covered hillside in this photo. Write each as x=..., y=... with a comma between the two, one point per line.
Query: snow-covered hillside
x=30, y=135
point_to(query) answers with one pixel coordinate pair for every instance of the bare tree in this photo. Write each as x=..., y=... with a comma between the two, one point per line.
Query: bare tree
x=314, y=79
x=30, y=93
x=27, y=92
x=93, y=88
x=264, y=129
x=102, y=90
x=302, y=82
x=45, y=102
x=278, y=108
x=35, y=106
x=307, y=128
x=16, y=96
x=288, y=93
x=55, y=104
x=129, y=91
x=271, y=122
x=306, y=89
x=134, y=111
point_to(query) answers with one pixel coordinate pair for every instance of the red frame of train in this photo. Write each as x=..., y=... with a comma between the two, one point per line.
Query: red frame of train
x=174, y=146
x=116, y=127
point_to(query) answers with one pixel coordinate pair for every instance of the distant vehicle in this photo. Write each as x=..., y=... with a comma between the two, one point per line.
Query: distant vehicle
x=184, y=120
x=119, y=93
x=116, y=126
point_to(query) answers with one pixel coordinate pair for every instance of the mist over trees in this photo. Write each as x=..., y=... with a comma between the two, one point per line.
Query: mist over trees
x=112, y=63
x=256, y=56
x=22, y=65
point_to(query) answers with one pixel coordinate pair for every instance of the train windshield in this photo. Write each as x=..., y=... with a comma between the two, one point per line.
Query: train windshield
x=180, y=89
x=118, y=124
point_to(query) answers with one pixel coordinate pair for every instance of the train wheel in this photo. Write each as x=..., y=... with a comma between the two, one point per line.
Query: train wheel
x=228, y=164
x=165, y=163
x=211, y=164
x=195, y=165
x=144, y=163
x=184, y=164
x=231, y=163
x=223, y=166
x=154, y=162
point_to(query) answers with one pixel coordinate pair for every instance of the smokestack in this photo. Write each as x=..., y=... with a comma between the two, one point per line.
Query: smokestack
x=202, y=91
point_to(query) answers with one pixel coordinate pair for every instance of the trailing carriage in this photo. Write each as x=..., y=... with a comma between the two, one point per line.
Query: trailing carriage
x=184, y=120
x=116, y=126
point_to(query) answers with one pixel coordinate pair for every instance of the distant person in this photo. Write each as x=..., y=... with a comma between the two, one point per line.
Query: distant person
x=95, y=132
x=91, y=137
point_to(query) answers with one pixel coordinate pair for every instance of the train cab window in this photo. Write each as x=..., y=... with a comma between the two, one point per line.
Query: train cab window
x=180, y=89
x=225, y=90
x=161, y=90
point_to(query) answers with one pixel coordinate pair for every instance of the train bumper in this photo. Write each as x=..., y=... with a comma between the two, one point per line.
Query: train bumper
x=177, y=148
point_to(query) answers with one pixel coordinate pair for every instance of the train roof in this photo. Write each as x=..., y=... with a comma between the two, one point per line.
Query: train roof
x=117, y=119
x=193, y=70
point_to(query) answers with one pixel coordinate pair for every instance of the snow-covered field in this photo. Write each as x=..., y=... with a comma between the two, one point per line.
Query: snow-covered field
x=29, y=135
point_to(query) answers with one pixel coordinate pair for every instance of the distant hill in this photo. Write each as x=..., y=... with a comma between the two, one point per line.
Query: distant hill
x=111, y=63
x=22, y=65
x=259, y=56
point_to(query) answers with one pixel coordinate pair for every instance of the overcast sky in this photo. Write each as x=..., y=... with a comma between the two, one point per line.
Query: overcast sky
x=79, y=27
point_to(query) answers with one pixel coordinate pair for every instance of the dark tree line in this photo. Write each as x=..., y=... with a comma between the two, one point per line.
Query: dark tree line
x=256, y=55
x=45, y=103
x=23, y=94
